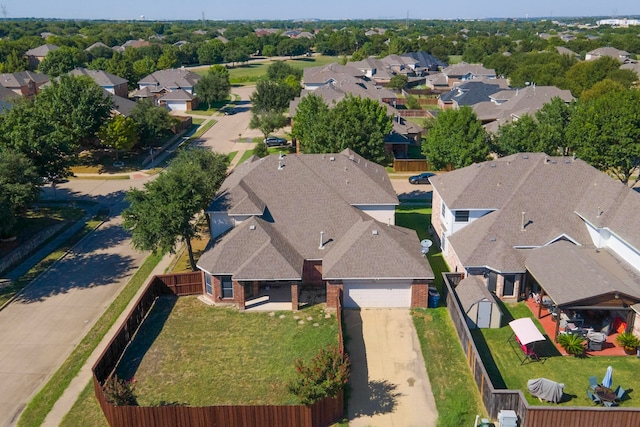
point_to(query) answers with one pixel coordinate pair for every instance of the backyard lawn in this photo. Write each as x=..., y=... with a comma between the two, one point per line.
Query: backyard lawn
x=503, y=364
x=249, y=73
x=190, y=353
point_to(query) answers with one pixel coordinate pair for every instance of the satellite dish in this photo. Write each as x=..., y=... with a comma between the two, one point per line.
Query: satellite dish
x=426, y=244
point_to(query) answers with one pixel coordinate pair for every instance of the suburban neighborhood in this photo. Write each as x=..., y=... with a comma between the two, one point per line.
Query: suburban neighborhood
x=408, y=222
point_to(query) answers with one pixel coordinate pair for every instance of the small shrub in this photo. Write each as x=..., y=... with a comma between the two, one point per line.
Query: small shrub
x=629, y=341
x=324, y=376
x=261, y=150
x=120, y=392
x=572, y=343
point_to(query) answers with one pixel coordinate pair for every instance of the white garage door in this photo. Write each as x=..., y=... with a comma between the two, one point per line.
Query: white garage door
x=378, y=293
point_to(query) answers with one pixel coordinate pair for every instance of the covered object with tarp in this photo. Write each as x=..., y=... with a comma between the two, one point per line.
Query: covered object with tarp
x=526, y=335
x=545, y=389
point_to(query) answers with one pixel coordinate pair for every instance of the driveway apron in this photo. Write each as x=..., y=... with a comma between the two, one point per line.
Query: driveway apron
x=389, y=382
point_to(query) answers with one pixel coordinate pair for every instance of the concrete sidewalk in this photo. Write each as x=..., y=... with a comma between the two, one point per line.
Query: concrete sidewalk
x=72, y=393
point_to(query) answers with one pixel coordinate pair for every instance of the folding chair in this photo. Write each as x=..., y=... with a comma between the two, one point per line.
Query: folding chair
x=595, y=399
x=593, y=382
x=620, y=392
x=609, y=404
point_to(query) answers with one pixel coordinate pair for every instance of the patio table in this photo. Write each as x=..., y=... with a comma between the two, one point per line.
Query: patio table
x=605, y=394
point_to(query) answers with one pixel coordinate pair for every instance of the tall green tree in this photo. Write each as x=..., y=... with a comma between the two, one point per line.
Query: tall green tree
x=163, y=212
x=119, y=133
x=267, y=121
x=309, y=126
x=272, y=96
x=520, y=136
x=605, y=132
x=61, y=61
x=20, y=186
x=456, y=138
x=214, y=86
x=355, y=123
x=553, y=119
x=151, y=121
x=399, y=81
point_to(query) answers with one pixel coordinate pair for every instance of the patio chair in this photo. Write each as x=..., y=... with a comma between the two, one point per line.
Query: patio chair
x=620, y=392
x=593, y=382
x=595, y=399
x=609, y=404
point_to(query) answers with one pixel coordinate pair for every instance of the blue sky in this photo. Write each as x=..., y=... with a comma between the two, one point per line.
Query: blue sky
x=304, y=9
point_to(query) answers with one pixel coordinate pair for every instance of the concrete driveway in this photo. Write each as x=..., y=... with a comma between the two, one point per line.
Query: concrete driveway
x=389, y=382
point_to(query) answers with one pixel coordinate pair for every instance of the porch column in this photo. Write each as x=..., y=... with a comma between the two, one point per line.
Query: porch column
x=294, y=297
x=555, y=339
x=256, y=288
x=238, y=295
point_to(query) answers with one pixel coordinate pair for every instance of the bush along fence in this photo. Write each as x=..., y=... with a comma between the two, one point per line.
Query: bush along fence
x=324, y=412
x=499, y=399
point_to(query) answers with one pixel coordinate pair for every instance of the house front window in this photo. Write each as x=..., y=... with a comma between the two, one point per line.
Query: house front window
x=207, y=284
x=227, y=286
x=509, y=285
x=462, y=216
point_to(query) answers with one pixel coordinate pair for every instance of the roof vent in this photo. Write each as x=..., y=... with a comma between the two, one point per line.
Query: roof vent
x=321, y=240
x=493, y=165
x=252, y=227
x=554, y=161
x=525, y=156
x=546, y=160
x=333, y=159
x=280, y=166
x=492, y=239
x=374, y=232
x=567, y=161
x=351, y=157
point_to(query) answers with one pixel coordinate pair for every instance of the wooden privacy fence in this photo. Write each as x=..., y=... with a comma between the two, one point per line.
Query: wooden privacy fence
x=410, y=165
x=322, y=413
x=530, y=416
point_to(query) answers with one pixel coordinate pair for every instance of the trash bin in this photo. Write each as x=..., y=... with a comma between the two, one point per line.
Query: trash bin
x=434, y=298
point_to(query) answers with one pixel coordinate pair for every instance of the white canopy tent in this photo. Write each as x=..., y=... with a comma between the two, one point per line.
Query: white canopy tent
x=526, y=335
x=525, y=331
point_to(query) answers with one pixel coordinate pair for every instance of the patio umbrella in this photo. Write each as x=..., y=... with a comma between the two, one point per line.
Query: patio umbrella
x=607, y=380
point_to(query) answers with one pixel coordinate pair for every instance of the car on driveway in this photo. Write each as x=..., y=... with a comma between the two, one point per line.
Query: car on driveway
x=274, y=141
x=423, y=178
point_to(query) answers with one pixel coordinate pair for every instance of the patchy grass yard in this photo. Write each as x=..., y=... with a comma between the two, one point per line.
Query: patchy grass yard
x=190, y=353
x=503, y=363
x=456, y=395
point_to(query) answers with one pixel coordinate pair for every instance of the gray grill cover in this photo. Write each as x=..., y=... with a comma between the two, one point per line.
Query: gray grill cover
x=596, y=337
x=545, y=389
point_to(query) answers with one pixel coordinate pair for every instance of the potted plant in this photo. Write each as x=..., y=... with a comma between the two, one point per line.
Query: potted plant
x=572, y=344
x=629, y=341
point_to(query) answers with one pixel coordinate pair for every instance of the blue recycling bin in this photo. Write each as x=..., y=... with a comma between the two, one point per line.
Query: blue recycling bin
x=434, y=298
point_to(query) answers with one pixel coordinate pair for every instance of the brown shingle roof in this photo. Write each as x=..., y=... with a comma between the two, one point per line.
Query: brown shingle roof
x=555, y=193
x=571, y=274
x=298, y=197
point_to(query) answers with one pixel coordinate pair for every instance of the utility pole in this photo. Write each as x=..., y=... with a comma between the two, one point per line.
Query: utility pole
x=4, y=11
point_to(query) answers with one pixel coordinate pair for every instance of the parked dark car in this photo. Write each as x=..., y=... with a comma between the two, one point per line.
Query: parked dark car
x=423, y=178
x=274, y=141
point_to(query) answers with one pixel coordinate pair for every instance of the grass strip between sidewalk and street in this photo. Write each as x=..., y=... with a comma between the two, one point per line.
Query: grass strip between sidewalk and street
x=37, y=410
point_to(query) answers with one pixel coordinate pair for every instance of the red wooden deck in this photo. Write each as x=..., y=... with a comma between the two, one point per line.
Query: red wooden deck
x=609, y=348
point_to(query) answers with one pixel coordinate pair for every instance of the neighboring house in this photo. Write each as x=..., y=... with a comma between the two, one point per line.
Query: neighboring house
x=170, y=80
x=136, y=43
x=96, y=45
x=36, y=55
x=633, y=66
x=620, y=55
x=178, y=100
x=333, y=229
x=7, y=98
x=564, y=51
x=174, y=88
x=426, y=61
x=24, y=83
x=530, y=223
x=109, y=82
x=122, y=106
x=509, y=105
x=471, y=93
x=463, y=71
x=334, y=82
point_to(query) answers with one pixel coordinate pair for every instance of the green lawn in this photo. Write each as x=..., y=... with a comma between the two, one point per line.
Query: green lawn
x=501, y=360
x=191, y=353
x=249, y=73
